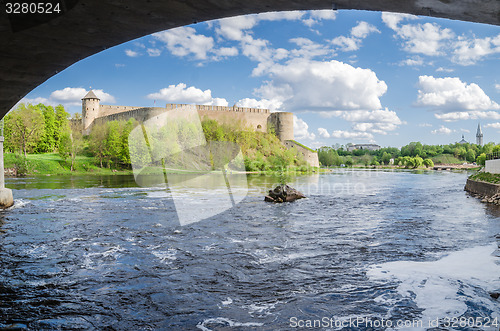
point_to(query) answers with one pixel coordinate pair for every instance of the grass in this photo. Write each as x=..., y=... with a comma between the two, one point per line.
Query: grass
x=446, y=159
x=304, y=146
x=486, y=177
x=53, y=164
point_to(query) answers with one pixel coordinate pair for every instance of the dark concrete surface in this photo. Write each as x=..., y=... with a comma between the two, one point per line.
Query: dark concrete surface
x=35, y=47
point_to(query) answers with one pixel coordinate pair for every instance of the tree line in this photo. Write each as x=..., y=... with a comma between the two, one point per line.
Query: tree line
x=409, y=155
x=36, y=129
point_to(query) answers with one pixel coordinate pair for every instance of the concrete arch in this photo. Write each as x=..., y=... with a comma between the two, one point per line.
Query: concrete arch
x=36, y=47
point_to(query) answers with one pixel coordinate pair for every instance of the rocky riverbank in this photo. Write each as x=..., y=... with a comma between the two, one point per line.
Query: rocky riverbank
x=487, y=192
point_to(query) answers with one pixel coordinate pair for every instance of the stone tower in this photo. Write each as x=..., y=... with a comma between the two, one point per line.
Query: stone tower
x=282, y=122
x=479, y=135
x=90, y=110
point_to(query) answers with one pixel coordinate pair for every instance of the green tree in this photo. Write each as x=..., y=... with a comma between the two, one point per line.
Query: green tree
x=27, y=127
x=418, y=162
x=48, y=140
x=386, y=158
x=470, y=156
x=61, y=121
x=70, y=142
x=481, y=159
x=428, y=163
x=98, y=142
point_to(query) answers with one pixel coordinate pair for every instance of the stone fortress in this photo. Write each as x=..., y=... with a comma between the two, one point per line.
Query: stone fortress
x=257, y=119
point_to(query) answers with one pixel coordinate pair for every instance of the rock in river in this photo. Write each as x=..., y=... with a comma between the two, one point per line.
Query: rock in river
x=283, y=193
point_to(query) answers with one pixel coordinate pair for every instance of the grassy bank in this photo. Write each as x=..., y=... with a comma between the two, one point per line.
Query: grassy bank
x=53, y=164
x=446, y=159
x=486, y=177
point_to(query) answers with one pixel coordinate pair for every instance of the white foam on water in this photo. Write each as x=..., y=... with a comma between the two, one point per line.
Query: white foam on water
x=260, y=308
x=265, y=258
x=72, y=240
x=37, y=251
x=18, y=203
x=227, y=302
x=226, y=322
x=91, y=259
x=166, y=256
x=441, y=288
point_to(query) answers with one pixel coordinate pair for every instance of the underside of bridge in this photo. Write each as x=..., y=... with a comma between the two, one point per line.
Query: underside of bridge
x=34, y=47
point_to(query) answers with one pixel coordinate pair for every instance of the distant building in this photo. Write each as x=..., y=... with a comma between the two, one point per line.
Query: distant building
x=370, y=147
x=463, y=141
x=479, y=135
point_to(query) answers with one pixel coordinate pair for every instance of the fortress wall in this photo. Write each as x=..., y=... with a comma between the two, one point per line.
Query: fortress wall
x=106, y=110
x=140, y=114
x=221, y=108
x=254, y=120
x=309, y=156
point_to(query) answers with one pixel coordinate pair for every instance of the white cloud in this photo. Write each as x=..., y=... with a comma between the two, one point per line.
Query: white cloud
x=72, y=96
x=35, y=101
x=351, y=135
x=427, y=38
x=364, y=123
x=358, y=33
x=131, y=53
x=497, y=86
x=217, y=102
x=392, y=19
x=236, y=28
x=282, y=15
x=363, y=29
x=316, y=16
x=227, y=51
x=68, y=94
x=184, y=41
x=323, y=133
x=469, y=51
x=272, y=105
x=233, y=28
x=468, y=115
x=425, y=125
x=413, y=61
x=451, y=94
x=154, y=52
x=441, y=69
x=301, y=129
x=465, y=130
x=442, y=130
x=323, y=86
x=346, y=44
x=180, y=93
x=308, y=49
x=495, y=125
x=69, y=97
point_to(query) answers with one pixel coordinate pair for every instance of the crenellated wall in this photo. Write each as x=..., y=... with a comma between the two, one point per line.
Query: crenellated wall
x=250, y=118
x=106, y=110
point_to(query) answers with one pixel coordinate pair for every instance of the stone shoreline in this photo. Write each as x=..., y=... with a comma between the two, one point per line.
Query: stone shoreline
x=487, y=192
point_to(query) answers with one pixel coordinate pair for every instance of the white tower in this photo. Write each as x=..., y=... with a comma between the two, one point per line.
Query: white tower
x=479, y=135
x=90, y=110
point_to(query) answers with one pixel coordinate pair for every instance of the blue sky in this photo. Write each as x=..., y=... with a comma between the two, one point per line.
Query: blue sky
x=348, y=76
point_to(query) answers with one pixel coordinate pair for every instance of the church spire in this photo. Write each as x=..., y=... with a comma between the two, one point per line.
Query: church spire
x=479, y=135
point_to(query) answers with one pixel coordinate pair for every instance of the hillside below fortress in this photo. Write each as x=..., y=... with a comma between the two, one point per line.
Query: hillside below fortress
x=252, y=118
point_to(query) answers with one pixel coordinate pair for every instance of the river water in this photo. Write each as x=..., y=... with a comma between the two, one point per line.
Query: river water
x=383, y=249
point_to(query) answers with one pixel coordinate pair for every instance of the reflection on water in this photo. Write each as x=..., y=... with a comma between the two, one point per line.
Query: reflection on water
x=100, y=252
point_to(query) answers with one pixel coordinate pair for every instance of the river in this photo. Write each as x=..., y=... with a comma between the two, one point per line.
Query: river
x=384, y=249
